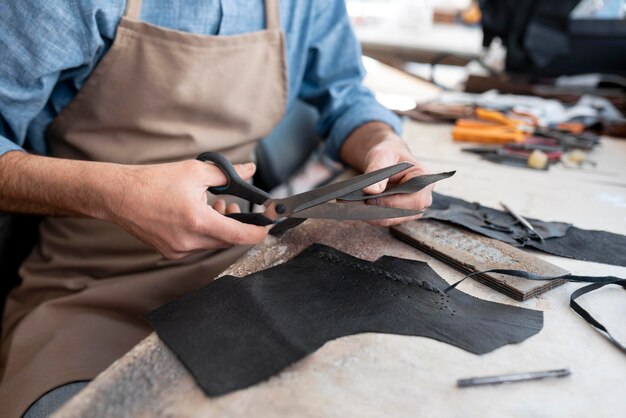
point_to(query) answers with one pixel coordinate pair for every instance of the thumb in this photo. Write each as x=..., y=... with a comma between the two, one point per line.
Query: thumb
x=214, y=176
x=378, y=161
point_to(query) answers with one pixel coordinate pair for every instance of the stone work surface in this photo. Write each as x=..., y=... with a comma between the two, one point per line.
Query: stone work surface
x=374, y=374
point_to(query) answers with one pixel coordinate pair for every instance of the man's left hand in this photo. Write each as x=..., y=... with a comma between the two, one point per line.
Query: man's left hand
x=374, y=146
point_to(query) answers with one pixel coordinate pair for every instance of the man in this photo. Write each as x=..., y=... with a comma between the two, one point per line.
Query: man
x=121, y=97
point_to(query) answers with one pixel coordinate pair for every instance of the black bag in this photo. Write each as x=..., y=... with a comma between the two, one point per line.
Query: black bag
x=542, y=40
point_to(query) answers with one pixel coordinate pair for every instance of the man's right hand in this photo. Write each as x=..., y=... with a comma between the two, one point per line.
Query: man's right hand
x=163, y=205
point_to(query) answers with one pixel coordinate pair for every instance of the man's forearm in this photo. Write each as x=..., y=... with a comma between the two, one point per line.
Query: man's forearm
x=163, y=205
x=51, y=186
x=356, y=147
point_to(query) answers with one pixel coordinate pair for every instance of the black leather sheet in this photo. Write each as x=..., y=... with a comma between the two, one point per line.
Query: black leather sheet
x=561, y=239
x=237, y=332
x=598, y=282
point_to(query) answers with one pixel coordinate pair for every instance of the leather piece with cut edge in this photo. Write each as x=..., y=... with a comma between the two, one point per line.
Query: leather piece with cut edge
x=490, y=222
x=561, y=239
x=237, y=332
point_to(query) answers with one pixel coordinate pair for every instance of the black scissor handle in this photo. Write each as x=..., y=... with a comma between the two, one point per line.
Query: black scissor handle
x=257, y=219
x=235, y=186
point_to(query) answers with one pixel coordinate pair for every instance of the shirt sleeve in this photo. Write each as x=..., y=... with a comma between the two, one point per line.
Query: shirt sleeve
x=333, y=79
x=38, y=40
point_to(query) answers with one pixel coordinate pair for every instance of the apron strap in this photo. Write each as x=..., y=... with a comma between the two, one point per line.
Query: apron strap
x=133, y=9
x=272, y=14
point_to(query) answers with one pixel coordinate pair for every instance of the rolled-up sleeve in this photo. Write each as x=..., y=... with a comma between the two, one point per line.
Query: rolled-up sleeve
x=333, y=79
x=38, y=40
x=20, y=102
x=6, y=146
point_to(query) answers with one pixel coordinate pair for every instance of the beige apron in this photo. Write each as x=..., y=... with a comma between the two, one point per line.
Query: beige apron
x=158, y=95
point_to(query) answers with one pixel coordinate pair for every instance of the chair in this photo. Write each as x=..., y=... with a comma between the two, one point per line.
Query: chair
x=285, y=151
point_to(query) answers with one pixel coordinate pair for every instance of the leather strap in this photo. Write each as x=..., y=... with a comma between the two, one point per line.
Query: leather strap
x=272, y=14
x=133, y=9
x=590, y=319
x=597, y=283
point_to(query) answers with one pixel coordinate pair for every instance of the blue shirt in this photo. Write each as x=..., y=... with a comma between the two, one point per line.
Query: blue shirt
x=48, y=48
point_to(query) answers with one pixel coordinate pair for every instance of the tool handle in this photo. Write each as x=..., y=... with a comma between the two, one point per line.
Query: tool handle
x=477, y=124
x=235, y=185
x=497, y=136
x=495, y=116
x=257, y=219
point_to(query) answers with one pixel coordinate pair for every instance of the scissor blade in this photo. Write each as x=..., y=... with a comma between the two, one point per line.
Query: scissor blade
x=299, y=202
x=414, y=185
x=350, y=211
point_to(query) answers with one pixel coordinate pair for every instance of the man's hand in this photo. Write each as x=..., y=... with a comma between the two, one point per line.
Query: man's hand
x=374, y=146
x=164, y=206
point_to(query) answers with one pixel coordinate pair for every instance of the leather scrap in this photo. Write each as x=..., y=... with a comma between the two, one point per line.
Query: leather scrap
x=598, y=282
x=561, y=239
x=239, y=331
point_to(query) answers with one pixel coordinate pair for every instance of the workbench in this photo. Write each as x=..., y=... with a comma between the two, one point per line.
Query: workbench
x=458, y=43
x=390, y=375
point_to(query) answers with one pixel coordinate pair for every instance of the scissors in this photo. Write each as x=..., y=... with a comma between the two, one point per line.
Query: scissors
x=293, y=210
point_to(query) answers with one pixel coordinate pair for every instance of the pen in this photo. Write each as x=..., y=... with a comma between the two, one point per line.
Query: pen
x=512, y=378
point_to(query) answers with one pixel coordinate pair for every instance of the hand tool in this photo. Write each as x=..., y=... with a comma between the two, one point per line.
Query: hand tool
x=523, y=221
x=512, y=378
x=554, y=153
x=513, y=157
x=585, y=141
x=311, y=204
x=548, y=149
x=491, y=127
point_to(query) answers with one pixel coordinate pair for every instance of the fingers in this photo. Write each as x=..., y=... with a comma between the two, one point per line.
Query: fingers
x=212, y=175
x=414, y=201
x=199, y=247
x=233, y=208
x=415, y=171
x=237, y=233
x=374, y=162
x=173, y=216
x=395, y=221
x=232, y=231
x=215, y=231
x=220, y=207
x=245, y=171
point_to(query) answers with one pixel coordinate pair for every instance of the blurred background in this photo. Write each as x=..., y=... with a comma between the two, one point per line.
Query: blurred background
x=563, y=50
x=547, y=38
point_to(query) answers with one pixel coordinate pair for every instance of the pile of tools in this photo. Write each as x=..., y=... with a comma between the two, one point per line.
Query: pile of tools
x=517, y=130
x=518, y=139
